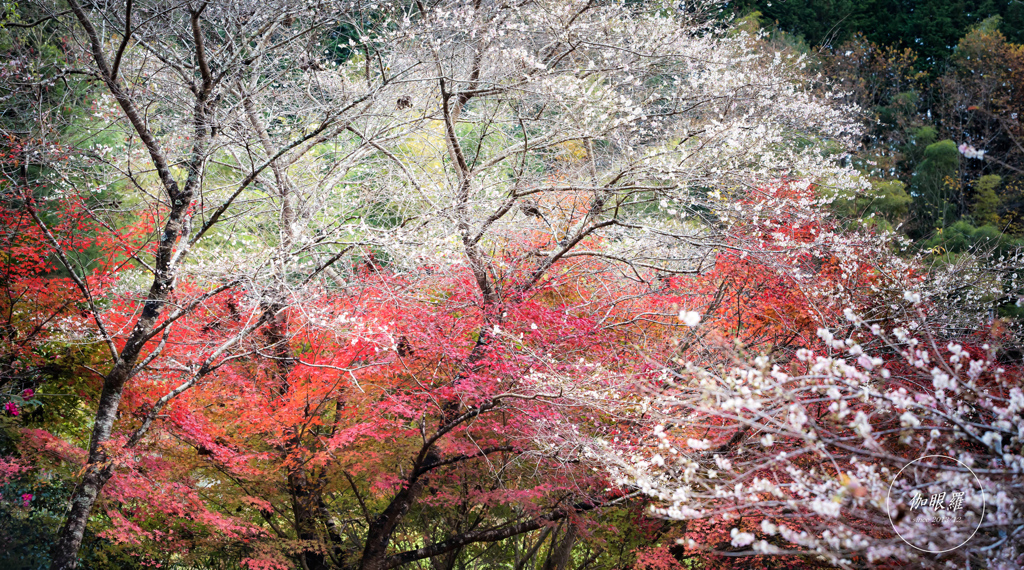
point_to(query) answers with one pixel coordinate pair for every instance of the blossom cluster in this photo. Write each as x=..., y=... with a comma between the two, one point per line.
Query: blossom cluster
x=970, y=152
x=827, y=433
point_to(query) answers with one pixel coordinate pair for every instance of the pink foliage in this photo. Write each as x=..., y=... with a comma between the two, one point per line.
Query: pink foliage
x=655, y=558
x=9, y=469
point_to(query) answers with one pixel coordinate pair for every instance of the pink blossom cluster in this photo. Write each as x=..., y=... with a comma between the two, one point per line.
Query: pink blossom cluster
x=12, y=408
x=970, y=152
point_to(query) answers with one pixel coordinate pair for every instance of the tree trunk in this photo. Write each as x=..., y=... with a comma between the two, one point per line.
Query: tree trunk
x=64, y=555
x=65, y=551
x=305, y=499
x=559, y=557
x=378, y=535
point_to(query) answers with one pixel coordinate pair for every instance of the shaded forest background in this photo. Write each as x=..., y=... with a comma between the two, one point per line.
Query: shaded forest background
x=934, y=79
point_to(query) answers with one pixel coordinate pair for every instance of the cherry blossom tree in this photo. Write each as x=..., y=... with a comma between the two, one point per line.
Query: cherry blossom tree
x=175, y=132
x=809, y=450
